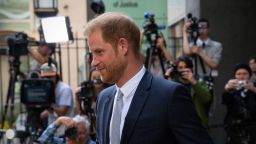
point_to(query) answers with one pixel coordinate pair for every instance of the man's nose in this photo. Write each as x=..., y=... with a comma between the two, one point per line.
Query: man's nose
x=95, y=62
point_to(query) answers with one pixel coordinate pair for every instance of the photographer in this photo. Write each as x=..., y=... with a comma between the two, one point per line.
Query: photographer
x=240, y=98
x=183, y=73
x=77, y=131
x=207, y=51
x=96, y=87
x=159, y=50
x=63, y=105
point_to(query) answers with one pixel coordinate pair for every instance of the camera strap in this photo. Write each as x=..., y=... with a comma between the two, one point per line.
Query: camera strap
x=201, y=61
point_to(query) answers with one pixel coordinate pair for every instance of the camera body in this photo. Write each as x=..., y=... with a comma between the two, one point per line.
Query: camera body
x=149, y=25
x=86, y=96
x=37, y=92
x=241, y=84
x=194, y=27
x=71, y=133
x=18, y=44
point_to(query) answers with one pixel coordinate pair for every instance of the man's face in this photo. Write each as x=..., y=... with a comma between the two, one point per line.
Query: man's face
x=82, y=133
x=183, y=70
x=203, y=32
x=106, y=58
x=242, y=74
x=181, y=66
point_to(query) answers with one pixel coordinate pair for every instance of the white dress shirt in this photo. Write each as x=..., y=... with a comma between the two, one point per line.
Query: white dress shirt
x=128, y=90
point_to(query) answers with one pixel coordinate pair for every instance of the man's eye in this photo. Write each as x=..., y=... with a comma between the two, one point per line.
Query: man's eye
x=98, y=52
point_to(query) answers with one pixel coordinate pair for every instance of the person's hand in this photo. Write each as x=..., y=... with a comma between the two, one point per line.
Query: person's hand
x=77, y=91
x=187, y=74
x=196, y=50
x=232, y=84
x=250, y=86
x=168, y=73
x=186, y=27
x=64, y=120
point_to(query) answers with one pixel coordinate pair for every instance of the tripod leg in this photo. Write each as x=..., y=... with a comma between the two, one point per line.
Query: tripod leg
x=7, y=101
x=161, y=62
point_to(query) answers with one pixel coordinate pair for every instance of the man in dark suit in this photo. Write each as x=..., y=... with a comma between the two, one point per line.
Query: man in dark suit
x=139, y=108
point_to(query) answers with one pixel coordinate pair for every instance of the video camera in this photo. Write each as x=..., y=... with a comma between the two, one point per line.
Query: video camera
x=151, y=33
x=71, y=133
x=37, y=92
x=194, y=27
x=150, y=27
x=18, y=44
x=174, y=74
x=85, y=96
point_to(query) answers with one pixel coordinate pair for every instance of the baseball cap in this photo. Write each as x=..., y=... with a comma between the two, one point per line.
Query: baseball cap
x=48, y=70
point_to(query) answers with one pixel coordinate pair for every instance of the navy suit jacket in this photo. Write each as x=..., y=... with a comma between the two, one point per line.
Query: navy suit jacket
x=161, y=112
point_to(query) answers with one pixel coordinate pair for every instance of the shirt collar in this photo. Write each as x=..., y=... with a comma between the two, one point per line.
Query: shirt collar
x=200, y=42
x=130, y=85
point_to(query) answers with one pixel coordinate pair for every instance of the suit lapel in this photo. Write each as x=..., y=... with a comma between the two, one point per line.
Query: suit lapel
x=109, y=107
x=136, y=106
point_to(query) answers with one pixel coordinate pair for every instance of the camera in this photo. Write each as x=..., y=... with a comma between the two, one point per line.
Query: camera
x=241, y=84
x=18, y=44
x=150, y=27
x=37, y=92
x=71, y=133
x=85, y=96
x=194, y=27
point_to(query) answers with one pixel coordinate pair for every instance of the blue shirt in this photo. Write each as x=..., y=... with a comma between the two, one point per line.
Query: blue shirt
x=48, y=136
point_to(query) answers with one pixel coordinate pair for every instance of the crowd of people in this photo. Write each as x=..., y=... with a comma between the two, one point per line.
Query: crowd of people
x=133, y=103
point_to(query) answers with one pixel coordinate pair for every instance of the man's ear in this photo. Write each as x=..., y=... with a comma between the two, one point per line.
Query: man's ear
x=123, y=46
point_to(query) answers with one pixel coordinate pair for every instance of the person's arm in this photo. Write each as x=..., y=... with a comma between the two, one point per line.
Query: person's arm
x=160, y=45
x=37, y=56
x=48, y=134
x=210, y=62
x=65, y=101
x=60, y=110
x=229, y=91
x=186, y=48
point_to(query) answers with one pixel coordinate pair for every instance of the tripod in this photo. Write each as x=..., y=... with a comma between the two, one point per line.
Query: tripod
x=15, y=74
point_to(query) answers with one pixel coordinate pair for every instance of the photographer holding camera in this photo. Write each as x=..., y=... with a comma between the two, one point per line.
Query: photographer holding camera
x=182, y=72
x=164, y=54
x=157, y=54
x=77, y=132
x=240, y=98
x=91, y=91
x=63, y=105
x=203, y=48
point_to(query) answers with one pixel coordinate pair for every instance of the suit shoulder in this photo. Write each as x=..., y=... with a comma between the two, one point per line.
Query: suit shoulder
x=106, y=92
x=163, y=83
